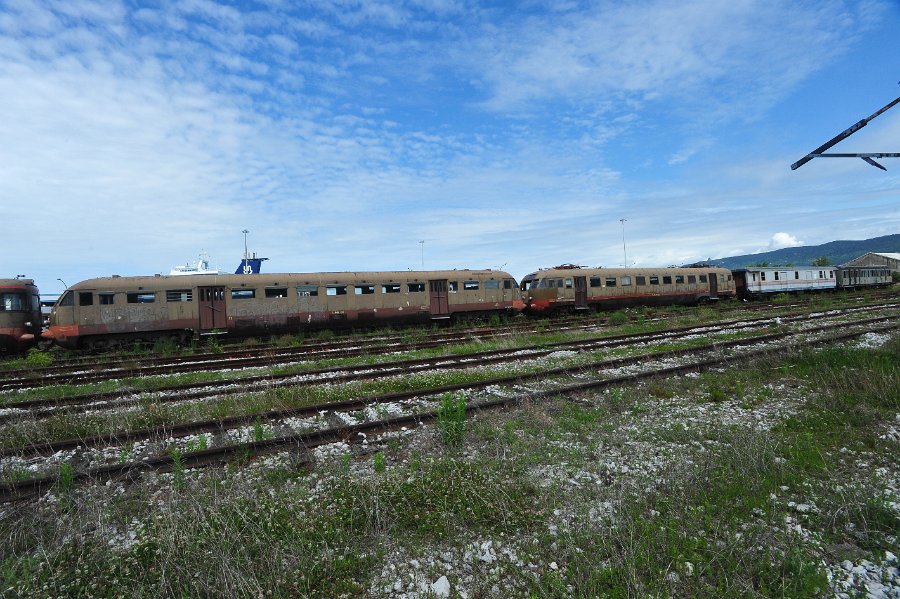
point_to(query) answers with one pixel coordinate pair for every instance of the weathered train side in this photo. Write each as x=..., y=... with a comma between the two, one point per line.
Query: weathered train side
x=856, y=277
x=759, y=281
x=109, y=311
x=577, y=288
x=20, y=315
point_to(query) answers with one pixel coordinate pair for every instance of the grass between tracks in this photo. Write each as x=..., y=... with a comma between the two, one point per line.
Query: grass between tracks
x=739, y=483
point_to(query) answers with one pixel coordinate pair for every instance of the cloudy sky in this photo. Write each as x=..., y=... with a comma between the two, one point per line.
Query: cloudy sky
x=502, y=134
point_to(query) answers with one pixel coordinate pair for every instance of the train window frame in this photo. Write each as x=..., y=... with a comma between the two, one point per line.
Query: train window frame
x=509, y=283
x=596, y=282
x=7, y=305
x=452, y=286
x=85, y=298
x=762, y=275
x=67, y=300
x=276, y=292
x=415, y=287
x=106, y=298
x=667, y=280
x=551, y=283
x=640, y=280
x=179, y=295
x=776, y=275
x=391, y=288
x=307, y=290
x=692, y=279
x=140, y=297
x=542, y=284
x=243, y=294
x=364, y=289
x=568, y=282
x=654, y=279
x=703, y=279
x=722, y=278
x=335, y=290
x=626, y=280
x=679, y=279
x=471, y=285
x=796, y=275
x=609, y=282
x=492, y=284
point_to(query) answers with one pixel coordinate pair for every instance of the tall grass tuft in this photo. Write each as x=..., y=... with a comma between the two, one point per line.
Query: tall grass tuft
x=451, y=418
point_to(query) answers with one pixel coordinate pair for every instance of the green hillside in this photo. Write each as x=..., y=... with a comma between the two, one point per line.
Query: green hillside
x=837, y=252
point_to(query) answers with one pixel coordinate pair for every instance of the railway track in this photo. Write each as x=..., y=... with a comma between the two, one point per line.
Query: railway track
x=42, y=408
x=302, y=441
x=76, y=375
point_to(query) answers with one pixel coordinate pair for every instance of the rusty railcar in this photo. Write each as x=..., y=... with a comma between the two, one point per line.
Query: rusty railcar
x=581, y=288
x=20, y=315
x=111, y=311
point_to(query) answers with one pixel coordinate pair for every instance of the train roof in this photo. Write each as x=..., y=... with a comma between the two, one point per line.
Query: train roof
x=117, y=283
x=567, y=270
x=17, y=283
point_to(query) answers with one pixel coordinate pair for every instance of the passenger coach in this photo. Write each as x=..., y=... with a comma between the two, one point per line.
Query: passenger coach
x=577, y=288
x=760, y=281
x=111, y=311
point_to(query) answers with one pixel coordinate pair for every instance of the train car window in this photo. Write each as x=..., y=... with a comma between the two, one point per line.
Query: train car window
x=492, y=284
x=391, y=288
x=243, y=293
x=830, y=274
x=542, y=284
x=654, y=279
x=551, y=283
x=729, y=277
x=107, y=299
x=470, y=285
x=85, y=298
x=140, y=297
x=568, y=283
x=679, y=279
x=559, y=283
x=415, y=287
x=640, y=280
x=509, y=284
x=610, y=281
x=776, y=275
x=364, y=289
x=307, y=290
x=11, y=302
x=796, y=275
x=703, y=278
x=336, y=290
x=68, y=299
x=762, y=276
x=596, y=282
x=453, y=286
x=626, y=280
x=276, y=291
x=692, y=279
x=721, y=278
x=179, y=295
x=667, y=280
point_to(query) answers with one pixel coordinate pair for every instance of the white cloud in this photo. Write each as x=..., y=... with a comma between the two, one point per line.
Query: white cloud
x=783, y=240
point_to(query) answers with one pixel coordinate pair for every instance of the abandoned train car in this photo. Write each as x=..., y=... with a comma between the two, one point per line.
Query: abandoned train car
x=99, y=313
x=579, y=288
x=20, y=315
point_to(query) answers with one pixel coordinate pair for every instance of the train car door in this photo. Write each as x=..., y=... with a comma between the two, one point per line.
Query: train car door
x=212, y=308
x=713, y=285
x=581, y=293
x=440, y=307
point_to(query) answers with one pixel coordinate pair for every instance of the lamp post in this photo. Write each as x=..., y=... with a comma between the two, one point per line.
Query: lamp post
x=422, y=244
x=624, y=251
x=245, y=231
x=64, y=284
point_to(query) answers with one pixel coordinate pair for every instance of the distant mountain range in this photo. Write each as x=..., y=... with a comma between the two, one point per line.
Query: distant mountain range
x=837, y=252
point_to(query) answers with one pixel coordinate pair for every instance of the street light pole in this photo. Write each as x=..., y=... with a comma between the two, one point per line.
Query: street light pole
x=422, y=244
x=624, y=251
x=245, y=231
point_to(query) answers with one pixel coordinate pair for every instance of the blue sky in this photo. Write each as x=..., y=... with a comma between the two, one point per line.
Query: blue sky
x=503, y=134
